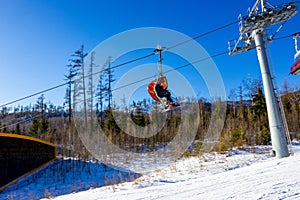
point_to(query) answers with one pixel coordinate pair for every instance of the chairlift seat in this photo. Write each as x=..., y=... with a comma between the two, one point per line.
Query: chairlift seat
x=295, y=69
x=162, y=80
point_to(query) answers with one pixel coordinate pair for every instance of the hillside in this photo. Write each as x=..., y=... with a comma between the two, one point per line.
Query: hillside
x=239, y=174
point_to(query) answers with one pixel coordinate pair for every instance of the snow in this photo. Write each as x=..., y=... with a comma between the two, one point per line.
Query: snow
x=65, y=176
x=241, y=173
x=238, y=174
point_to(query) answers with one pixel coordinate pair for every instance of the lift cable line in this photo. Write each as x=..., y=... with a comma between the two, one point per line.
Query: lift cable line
x=130, y=61
x=113, y=67
x=127, y=85
x=171, y=47
x=66, y=83
x=35, y=94
x=202, y=35
x=14, y=123
x=282, y=37
x=173, y=69
x=125, y=63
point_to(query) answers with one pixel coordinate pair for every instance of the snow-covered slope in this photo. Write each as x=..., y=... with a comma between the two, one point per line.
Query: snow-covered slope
x=65, y=176
x=244, y=173
x=240, y=174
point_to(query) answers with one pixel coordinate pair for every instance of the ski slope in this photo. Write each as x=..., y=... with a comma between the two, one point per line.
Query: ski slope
x=238, y=174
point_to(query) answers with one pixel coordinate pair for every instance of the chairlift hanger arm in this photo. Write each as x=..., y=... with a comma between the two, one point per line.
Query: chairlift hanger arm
x=159, y=51
x=295, y=36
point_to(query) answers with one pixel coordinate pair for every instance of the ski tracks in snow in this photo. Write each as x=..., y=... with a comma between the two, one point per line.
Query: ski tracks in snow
x=236, y=175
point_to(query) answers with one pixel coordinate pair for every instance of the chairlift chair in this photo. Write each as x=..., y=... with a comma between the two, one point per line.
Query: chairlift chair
x=295, y=69
x=161, y=80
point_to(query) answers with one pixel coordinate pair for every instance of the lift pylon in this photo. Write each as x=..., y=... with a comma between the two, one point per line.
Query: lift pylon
x=253, y=35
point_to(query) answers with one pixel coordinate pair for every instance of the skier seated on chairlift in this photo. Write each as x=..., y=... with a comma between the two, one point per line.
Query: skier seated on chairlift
x=295, y=69
x=158, y=87
x=158, y=91
x=162, y=91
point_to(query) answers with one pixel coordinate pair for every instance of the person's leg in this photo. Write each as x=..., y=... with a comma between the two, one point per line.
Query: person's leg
x=168, y=95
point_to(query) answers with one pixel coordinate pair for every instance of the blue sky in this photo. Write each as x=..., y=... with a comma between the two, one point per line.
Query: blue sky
x=37, y=38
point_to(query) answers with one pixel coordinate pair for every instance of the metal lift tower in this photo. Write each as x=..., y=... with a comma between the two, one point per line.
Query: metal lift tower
x=253, y=35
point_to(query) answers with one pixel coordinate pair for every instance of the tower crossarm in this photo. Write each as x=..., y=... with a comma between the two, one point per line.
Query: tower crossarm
x=260, y=19
x=267, y=17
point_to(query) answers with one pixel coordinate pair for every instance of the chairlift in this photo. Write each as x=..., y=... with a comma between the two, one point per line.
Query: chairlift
x=295, y=69
x=161, y=80
x=158, y=87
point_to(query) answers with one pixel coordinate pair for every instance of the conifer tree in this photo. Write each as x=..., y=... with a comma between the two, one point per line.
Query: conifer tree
x=259, y=104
